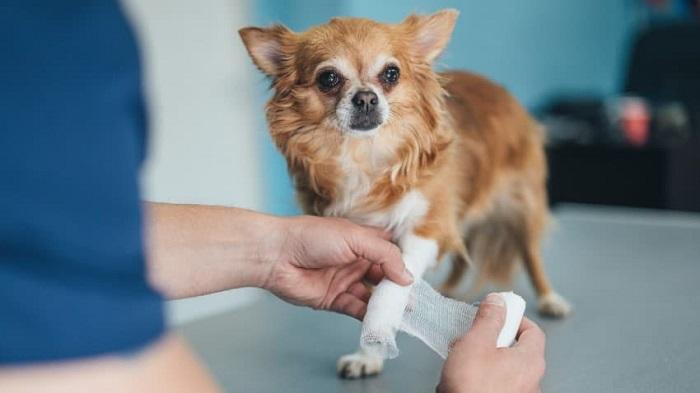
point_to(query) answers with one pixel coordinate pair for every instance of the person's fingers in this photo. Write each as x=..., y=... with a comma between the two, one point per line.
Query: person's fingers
x=348, y=304
x=374, y=275
x=489, y=320
x=360, y=291
x=531, y=338
x=383, y=253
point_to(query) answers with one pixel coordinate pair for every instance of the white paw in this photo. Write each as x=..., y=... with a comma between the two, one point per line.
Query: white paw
x=359, y=365
x=553, y=305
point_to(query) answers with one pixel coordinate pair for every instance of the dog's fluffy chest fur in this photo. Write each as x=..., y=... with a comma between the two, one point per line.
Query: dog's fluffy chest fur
x=362, y=164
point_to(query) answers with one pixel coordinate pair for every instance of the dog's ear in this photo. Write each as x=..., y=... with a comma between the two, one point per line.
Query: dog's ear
x=269, y=47
x=429, y=34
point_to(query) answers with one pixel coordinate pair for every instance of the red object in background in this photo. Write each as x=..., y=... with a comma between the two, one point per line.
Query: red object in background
x=635, y=120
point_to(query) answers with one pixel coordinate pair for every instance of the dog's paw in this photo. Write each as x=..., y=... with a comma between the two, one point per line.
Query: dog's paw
x=553, y=305
x=359, y=365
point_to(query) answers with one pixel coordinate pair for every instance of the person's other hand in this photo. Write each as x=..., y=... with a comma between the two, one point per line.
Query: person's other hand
x=322, y=263
x=476, y=365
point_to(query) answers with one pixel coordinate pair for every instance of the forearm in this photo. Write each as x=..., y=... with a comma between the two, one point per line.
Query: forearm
x=166, y=365
x=195, y=249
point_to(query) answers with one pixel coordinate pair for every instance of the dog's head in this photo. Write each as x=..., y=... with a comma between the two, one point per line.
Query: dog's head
x=350, y=76
x=354, y=85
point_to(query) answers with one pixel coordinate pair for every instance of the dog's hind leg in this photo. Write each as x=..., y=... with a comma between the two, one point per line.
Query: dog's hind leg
x=550, y=303
x=528, y=230
x=458, y=267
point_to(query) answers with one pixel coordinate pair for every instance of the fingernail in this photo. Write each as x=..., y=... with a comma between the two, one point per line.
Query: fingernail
x=408, y=275
x=495, y=299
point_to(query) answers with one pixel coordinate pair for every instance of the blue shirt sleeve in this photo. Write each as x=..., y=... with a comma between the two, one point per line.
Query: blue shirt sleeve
x=72, y=135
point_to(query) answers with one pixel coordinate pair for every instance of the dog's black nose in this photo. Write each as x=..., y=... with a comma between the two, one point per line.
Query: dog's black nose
x=365, y=100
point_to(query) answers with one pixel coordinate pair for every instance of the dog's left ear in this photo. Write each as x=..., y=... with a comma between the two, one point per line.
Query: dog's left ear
x=429, y=34
x=270, y=48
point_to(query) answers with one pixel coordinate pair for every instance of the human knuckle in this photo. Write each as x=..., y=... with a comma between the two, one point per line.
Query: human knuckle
x=493, y=312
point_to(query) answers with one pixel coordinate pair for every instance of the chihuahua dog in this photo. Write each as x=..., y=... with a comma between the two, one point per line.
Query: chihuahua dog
x=450, y=163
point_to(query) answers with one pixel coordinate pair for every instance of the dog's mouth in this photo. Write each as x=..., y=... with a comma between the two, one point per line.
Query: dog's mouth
x=365, y=121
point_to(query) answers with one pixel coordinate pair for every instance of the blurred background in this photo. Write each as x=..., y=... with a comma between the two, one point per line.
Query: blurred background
x=617, y=83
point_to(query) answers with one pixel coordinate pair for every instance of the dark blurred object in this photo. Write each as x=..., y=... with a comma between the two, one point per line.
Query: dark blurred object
x=665, y=64
x=665, y=10
x=695, y=8
x=608, y=175
x=672, y=123
x=641, y=149
x=571, y=120
x=630, y=121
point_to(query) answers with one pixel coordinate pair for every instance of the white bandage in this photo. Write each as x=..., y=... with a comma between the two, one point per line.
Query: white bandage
x=439, y=321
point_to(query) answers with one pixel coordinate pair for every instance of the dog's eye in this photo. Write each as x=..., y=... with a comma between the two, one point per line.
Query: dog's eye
x=327, y=80
x=390, y=75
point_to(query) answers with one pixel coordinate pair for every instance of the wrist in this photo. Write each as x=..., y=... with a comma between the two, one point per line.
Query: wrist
x=195, y=250
x=271, y=249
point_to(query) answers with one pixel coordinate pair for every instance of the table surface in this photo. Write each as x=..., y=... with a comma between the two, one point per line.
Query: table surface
x=631, y=276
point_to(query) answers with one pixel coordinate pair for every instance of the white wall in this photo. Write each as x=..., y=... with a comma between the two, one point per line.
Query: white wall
x=202, y=142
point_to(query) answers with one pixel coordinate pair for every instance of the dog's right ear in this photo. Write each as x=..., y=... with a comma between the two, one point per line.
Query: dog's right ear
x=270, y=48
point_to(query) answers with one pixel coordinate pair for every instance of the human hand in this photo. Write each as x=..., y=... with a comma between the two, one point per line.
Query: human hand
x=476, y=365
x=322, y=262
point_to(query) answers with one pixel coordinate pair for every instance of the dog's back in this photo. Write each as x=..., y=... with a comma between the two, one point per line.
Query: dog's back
x=497, y=137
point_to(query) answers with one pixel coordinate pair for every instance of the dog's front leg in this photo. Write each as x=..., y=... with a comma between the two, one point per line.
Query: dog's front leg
x=385, y=311
x=388, y=302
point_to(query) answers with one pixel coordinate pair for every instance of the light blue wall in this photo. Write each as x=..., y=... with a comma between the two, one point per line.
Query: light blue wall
x=535, y=48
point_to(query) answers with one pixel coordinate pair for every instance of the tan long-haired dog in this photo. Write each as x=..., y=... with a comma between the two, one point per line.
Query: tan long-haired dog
x=450, y=163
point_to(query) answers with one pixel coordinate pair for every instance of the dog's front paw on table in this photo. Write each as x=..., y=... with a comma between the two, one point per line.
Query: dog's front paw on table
x=553, y=305
x=359, y=365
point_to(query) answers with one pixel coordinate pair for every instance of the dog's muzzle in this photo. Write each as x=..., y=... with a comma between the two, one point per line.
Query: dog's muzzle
x=365, y=115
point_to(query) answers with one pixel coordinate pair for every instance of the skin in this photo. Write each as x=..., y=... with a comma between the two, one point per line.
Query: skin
x=309, y=261
x=476, y=365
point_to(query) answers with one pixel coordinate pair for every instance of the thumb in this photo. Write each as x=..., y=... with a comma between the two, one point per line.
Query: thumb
x=489, y=320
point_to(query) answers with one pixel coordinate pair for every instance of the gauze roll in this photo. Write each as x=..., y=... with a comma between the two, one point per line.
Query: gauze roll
x=439, y=321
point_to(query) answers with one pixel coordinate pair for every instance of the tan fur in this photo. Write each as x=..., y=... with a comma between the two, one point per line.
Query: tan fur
x=466, y=144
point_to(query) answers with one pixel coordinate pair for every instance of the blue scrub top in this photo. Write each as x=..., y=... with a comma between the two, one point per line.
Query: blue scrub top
x=72, y=133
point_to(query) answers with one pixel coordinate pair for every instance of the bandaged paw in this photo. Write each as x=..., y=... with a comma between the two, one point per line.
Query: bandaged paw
x=383, y=319
x=437, y=321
